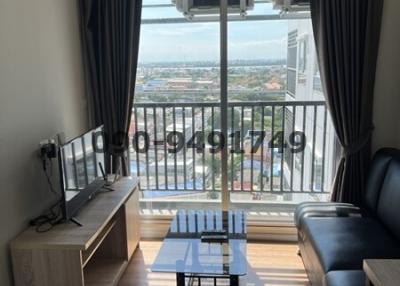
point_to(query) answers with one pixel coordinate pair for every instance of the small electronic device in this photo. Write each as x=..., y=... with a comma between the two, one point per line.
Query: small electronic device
x=47, y=150
x=112, y=178
x=214, y=236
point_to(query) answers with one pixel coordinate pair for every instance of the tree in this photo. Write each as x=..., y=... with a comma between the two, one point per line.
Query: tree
x=217, y=119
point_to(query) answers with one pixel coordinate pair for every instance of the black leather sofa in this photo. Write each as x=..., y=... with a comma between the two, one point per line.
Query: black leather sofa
x=335, y=238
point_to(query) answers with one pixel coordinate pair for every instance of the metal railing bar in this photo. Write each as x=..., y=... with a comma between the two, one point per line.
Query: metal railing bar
x=137, y=153
x=302, y=154
x=232, y=144
x=209, y=91
x=174, y=104
x=284, y=191
x=271, y=177
x=175, y=153
x=313, y=149
x=251, y=151
x=241, y=148
x=193, y=149
x=203, y=149
x=230, y=104
x=155, y=144
x=293, y=153
x=147, y=153
x=262, y=148
x=165, y=149
x=212, y=154
x=276, y=103
x=184, y=146
x=277, y=192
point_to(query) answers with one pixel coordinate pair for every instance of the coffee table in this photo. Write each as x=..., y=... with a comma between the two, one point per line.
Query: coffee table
x=182, y=251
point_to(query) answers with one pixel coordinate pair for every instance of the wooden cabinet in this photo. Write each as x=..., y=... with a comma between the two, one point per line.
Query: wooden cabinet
x=95, y=254
x=131, y=208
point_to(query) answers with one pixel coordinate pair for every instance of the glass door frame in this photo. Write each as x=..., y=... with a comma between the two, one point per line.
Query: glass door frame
x=225, y=195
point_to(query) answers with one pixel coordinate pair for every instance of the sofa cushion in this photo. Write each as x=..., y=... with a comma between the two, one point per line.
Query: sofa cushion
x=324, y=209
x=345, y=278
x=389, y=200
x=343, y=243
x=376, y=176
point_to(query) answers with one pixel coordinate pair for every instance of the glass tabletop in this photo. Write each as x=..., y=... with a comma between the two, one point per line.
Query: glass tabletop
x=182, y=250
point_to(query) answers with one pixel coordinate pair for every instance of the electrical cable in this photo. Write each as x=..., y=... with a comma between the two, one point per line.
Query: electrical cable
x=52, y=216
x=48, y=220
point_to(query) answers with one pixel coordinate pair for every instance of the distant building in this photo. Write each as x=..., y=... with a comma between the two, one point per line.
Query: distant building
x=304, y=84
x=273, y=86
x=205, y=82
x=179, y=83
x=154, y=84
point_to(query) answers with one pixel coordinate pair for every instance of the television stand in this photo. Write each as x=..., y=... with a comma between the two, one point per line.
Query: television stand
x=96, y=253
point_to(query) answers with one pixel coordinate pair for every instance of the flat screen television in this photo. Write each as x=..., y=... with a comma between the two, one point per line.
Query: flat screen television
x=80, y=172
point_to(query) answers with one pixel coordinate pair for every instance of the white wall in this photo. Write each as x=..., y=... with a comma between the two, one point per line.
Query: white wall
x=387, y=88
x=41, y=94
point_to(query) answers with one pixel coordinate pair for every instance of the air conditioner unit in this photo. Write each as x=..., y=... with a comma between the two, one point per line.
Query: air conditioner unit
x=292, y=5
x=190, y=8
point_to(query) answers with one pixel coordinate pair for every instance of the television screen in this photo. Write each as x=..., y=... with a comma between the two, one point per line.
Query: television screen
x=80, y=168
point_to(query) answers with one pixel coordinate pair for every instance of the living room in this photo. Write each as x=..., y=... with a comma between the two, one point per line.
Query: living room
x=217, y=125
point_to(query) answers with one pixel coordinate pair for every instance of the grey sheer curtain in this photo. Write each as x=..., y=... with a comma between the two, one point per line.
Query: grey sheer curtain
x=110, y=37
x=347, y=38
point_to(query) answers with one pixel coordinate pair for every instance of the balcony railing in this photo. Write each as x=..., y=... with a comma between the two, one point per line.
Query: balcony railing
x=275, y=146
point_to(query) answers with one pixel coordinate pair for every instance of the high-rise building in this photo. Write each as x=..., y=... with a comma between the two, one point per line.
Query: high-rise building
x=304, y=84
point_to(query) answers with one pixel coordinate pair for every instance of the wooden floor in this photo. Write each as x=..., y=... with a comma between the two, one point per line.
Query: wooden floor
x=268, y=264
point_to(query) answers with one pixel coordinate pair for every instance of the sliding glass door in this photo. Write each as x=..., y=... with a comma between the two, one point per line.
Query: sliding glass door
x=229, y=111
x=177, y=105
x=276, y=114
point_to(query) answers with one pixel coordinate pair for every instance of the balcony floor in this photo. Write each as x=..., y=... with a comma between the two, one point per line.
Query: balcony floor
x=268, y=264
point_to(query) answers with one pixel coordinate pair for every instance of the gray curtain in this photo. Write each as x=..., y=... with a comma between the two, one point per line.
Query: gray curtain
x=347, y=38
x=110, y=37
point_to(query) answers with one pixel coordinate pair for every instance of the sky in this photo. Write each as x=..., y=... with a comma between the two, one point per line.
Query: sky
x=247, y=40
